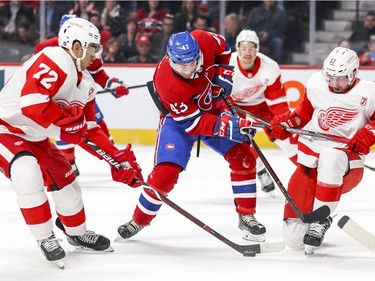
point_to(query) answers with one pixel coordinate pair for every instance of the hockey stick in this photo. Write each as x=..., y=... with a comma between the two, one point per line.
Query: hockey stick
x=114, y=90
x=369, y=167
x=357, y=232
x=246, y=250
x=315, y=215
x=264, y=123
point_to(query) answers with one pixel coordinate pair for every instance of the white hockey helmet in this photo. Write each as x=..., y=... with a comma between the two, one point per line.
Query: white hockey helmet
x=79, y=29
x=247, y=36
x=341, y=62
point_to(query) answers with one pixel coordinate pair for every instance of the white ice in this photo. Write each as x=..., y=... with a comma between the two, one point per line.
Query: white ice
x=173, y=248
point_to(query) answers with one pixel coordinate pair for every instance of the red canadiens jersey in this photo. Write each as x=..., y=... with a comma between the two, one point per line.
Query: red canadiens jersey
x=189, y=101
x=34, y=97
x=335, y=114
x=263, y=84
x=95, y=69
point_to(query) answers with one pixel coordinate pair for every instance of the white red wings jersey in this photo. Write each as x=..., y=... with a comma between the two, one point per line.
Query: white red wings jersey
x=33, y=98
x=189, y=101
x=263, y=84
x=335, y=114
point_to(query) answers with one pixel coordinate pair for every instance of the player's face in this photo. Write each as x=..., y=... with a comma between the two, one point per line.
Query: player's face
x=247, y=53
x=92, y=52
x=339, y=84
x=185, y=70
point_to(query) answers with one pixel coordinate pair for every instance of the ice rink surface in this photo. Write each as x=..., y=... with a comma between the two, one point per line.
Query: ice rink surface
x=172, y=247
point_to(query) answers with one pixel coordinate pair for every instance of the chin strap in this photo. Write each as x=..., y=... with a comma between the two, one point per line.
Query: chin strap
x=78, y=60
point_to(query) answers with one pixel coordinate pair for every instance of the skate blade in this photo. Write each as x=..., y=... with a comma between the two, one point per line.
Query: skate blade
x=309, y=250
x=246, y=235
x=120, y=239
x=59, y=263
x=89, y=250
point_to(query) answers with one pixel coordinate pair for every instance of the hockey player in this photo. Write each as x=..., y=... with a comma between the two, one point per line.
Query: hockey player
x=336, y=103
x=52, y=95
x=188, y=81
x=257, y=88
x=101, y=78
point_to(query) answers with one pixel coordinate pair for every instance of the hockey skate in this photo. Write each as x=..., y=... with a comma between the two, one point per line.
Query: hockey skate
x=266, y=182
x=252, y=230
x=52, y=250
x=128, y=230
x=315, y=234
x=90, y=241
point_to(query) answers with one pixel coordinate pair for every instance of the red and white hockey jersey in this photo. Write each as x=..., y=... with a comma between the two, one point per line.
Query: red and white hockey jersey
x=263, y=84
x=335, y=114
x=34, y=97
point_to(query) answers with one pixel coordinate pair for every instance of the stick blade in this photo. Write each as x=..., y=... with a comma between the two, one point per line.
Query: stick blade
x=262, y=248
x=317, y=215
x=357, y=232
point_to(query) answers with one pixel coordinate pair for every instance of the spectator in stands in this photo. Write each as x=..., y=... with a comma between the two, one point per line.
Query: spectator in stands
x=362, y=35
x=53, y=13
x=105, y=35
x=269, y=22
x=113, y=53
x=152, y=9
x=84, y=9
x=368, y=57
x=144, y=48
x=12, y=14
x=202, y=22
x=232, y=29
x=25, y=36
x=128, y=38
x=159, y=40
x=149, y=26
x=345, y=43
x=184, y=19
x=113, y=17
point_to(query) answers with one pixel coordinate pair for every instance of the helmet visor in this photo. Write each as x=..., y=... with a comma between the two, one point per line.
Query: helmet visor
x=95, y=50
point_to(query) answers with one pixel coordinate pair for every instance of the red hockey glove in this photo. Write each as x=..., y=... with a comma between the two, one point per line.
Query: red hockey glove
x=223, y=78
x=120, y=89
x=234, y=128
x=74, y=127
x=276, y=128
x=363, y=140
x=131, y=173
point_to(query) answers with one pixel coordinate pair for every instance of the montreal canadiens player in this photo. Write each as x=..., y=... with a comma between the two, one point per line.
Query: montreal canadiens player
x=188, y=81
x=336, y=103
x=101, y=78
x=258, y=89
x=52, y=95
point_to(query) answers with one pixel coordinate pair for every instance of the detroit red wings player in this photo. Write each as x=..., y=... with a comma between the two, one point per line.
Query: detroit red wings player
x=340, y=104
x=52, y=95
x=258, y=89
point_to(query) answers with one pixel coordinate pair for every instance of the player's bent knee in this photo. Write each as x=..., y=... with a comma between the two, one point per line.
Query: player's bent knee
x=68, y=200
x=164, y=177
x=332, y=160
x=241, y=159
x=26, y=175
x=293, y=232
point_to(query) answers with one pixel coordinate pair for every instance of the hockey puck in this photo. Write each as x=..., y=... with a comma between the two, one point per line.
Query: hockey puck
x=249, y=254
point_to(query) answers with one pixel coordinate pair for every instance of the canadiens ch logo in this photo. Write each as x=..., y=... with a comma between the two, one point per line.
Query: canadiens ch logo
x=335, y=117
x=169, y=146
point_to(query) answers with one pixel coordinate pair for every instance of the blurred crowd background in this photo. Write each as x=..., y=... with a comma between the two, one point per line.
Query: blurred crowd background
x=137, y=31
